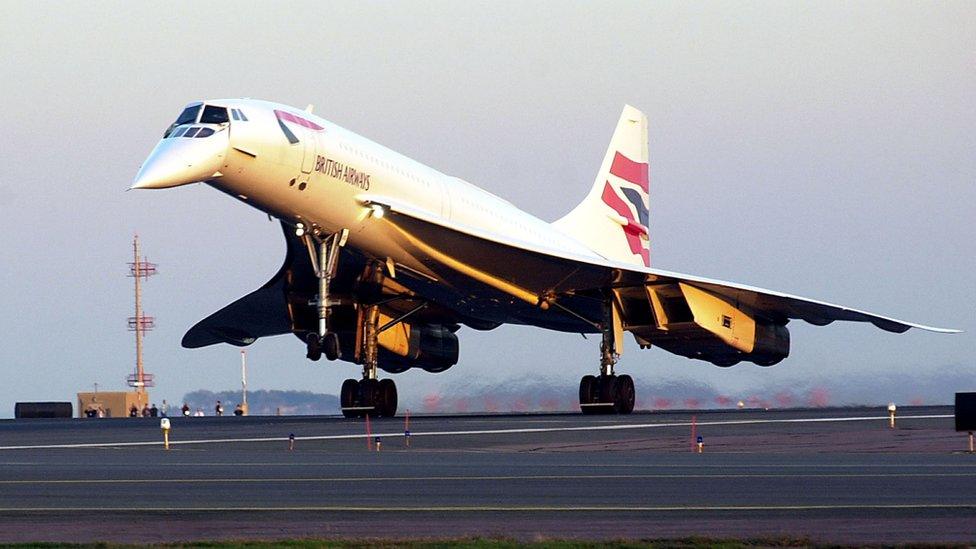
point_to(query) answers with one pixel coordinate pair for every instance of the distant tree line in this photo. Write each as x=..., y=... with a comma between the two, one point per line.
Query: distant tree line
x=264, y=402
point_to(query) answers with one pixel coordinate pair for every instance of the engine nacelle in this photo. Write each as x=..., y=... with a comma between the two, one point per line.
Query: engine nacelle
x=772, y=344
x=433, y=348
x=699, y=324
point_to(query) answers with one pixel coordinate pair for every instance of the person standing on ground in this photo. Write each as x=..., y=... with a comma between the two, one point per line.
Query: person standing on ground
x=219, y=409
x=186, y=410
x=154, y=411
x=164, y=409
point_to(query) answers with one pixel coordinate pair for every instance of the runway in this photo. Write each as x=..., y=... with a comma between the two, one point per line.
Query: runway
x=836, y=475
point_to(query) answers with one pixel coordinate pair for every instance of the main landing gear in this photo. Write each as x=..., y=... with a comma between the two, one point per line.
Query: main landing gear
x=607, y=393
x=369, y=396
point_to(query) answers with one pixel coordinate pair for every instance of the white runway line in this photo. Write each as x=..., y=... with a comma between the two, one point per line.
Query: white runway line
x=494, y=478
x=620, y=427
x=497, y=508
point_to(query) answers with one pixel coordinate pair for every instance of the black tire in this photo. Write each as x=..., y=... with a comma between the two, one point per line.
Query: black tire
x=387, y=405
x=313, y=347
x=369, y=389
x=330, y=346
x=624, y=401
x=608, y=393
x=348, y=397
x=587, y=394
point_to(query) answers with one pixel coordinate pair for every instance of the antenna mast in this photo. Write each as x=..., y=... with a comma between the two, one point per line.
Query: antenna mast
x=140, y=324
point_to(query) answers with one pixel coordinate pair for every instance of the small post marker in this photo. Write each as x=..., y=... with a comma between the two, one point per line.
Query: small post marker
x=891, y=415
x=701, y=444
x=970, y=442
x=369, y=435
x=406, y=429
x=694, y=425
x=164, y=425
x=291, y=441
x=379, y=443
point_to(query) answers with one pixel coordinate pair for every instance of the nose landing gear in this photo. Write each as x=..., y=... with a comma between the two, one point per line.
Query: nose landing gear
x=324, y=255
x=328, y=345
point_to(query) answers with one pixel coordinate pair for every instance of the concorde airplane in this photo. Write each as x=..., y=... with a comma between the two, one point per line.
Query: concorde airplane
x=387, y=258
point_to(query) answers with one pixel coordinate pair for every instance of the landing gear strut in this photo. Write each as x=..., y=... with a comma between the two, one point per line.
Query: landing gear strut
x=324, y=254
x=607, y=393
x=371, y=396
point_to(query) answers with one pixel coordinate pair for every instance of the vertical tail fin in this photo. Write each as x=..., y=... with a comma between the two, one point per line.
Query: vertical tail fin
x=613, y=218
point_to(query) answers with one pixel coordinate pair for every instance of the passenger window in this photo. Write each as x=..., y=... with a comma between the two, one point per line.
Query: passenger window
x=214, y=115
x=205, y=132
x=191, y=132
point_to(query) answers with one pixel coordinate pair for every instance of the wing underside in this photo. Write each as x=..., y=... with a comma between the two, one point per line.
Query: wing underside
x=684, y=314
x=484, y=277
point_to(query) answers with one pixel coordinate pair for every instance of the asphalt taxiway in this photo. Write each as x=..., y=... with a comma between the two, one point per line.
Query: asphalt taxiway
x=839, y=475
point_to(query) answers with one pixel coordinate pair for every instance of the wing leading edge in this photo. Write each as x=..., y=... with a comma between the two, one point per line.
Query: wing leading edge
x=263, y=312
x=584, y=273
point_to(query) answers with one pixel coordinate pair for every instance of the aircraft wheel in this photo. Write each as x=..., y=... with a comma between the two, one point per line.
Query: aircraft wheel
x=330, y=346
x=387, y=405
x=624, y=401
x=348, y=397
x=313, y=347
x=588, y=394
x=608, y=393
x=370, y=392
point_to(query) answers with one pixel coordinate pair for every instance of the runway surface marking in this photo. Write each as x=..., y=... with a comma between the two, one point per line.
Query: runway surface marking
x=477, y=478
x=501, y=508
x=524, y=430
x=601, y=466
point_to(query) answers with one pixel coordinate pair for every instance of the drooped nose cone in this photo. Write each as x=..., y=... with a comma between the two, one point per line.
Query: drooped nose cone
x=180, y=160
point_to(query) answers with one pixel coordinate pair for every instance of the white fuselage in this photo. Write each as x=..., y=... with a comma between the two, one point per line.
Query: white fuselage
x=323, y=179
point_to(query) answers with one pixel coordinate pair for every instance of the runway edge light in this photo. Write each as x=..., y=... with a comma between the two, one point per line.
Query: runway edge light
x=891, y=414
x=406, y=429
x=164, y=426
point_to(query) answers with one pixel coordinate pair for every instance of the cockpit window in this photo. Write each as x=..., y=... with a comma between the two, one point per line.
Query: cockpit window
x=179, y=132
x=191, y=132
x=189, y=115
x=214, y=115
x=205, y=132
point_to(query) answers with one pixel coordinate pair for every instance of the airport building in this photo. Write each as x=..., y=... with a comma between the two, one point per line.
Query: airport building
x=111, y=403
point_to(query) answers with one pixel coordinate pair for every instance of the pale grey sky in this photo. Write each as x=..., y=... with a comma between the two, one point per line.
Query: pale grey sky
x=824, y=149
